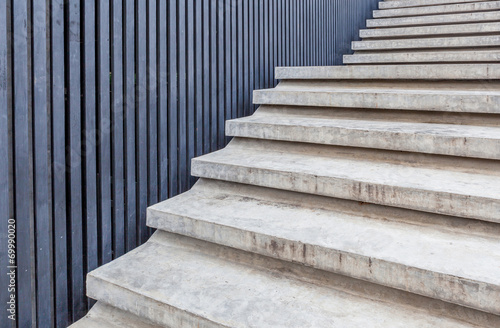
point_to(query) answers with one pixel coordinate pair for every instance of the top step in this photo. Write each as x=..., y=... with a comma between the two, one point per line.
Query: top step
x=419, y=3
x=384, y=72
x=442, y=9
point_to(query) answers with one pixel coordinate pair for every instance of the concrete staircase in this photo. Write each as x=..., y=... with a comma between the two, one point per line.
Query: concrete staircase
x=356, y=196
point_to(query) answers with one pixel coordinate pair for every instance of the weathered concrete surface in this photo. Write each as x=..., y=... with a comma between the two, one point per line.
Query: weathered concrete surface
x=322, y=171
x=429, y=43
x=324, y=95
x=393, y=73
x=435, y=30
x=489, y=16
x=438, y=9
x=444, y=139
x=455, y=267
x=417, y=3
x=202, y=285
x=105, y=316
x=424, y=57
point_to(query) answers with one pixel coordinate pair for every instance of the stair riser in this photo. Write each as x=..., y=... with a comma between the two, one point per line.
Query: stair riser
x=437, y=286
x=421, y=200
x=443, y=9
x=434, y=19
x=434, y=43
x=431, y=31
x=395, y=73
x=403, y=58
x=411, y=142
x=384, y=115
x=422, y=102
x=418, y=3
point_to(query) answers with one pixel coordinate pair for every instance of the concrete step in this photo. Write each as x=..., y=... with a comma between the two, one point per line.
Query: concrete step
x=418, y=3
x=181, y=282
x=385, y=115
x=344, y=173
x=358, y=241
x=440, y=9
x=383, y=72
x=363, y=96
x=431, y=31
x=428, y=43
x=424, y=57
x=105, y=316
x=475, y=17
x=443, y=139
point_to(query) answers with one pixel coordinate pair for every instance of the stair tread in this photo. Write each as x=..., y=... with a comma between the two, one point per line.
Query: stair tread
x=479, y=185
x=438, y=9
x=427, y=43
x=427, y=57
x=400, y=72
x=411, y=257
x=311, y=169
x=431, y=30
x=220, y=292
x=446, y=139
x=325, y=95
x=418, y=3
x=489, y=16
